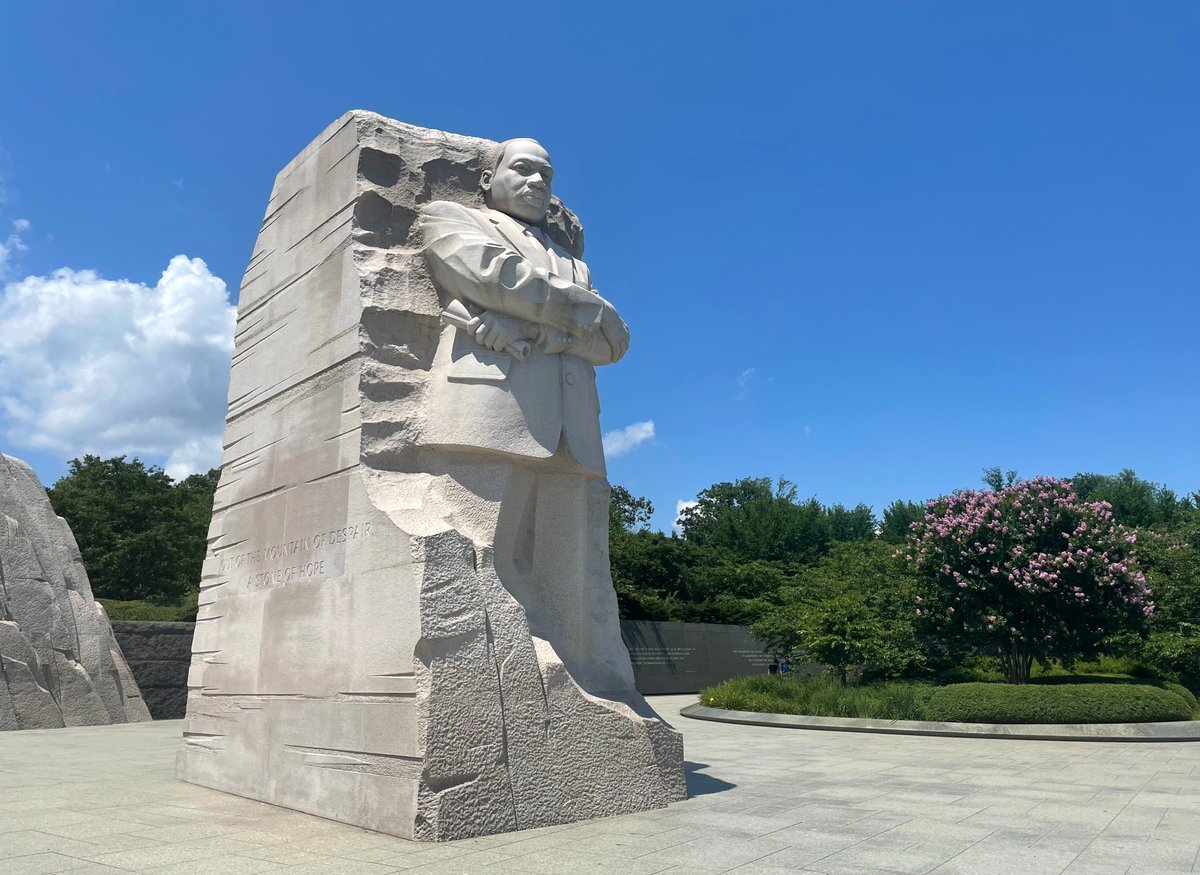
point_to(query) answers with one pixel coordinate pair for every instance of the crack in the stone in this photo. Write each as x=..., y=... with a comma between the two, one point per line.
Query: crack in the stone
x=504, y=759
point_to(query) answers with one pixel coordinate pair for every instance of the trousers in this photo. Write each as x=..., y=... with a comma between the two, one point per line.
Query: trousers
x=544, y=523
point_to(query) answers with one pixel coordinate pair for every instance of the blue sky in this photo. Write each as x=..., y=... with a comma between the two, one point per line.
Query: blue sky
x=870, y=247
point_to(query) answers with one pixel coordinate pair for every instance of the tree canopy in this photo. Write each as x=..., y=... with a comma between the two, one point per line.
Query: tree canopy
x=141, y=534
x=809, y=576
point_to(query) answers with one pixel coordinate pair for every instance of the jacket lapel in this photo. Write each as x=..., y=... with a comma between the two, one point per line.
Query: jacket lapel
x=532, y=243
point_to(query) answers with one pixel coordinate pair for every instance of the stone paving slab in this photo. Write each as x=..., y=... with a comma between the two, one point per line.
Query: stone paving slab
x=762, y=800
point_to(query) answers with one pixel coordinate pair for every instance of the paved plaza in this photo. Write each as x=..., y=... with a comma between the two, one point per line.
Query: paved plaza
x=763, y=800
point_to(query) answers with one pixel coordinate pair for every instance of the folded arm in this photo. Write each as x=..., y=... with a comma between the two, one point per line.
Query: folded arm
x=469, y=264
x=607, y=345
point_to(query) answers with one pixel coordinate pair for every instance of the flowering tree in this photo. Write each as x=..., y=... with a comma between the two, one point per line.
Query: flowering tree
x=1027, y=570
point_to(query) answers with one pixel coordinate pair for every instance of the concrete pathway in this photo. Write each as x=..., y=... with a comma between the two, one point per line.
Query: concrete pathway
x=764, y=800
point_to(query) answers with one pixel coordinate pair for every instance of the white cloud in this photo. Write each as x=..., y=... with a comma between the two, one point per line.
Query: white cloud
x=680, y=506
x=622, y=440
x=89, y=365
x=744, y=382
x=197, y=455
x=12, y=244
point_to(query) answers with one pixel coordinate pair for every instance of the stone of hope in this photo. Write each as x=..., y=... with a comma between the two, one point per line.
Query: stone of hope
x=407, y=620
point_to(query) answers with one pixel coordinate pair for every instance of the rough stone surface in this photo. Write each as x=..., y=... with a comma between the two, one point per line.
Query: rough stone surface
x=159, y=655
x=59, y=663
x=401, y=627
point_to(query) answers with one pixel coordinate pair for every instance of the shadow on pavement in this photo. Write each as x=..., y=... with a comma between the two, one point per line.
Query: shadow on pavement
x=699, y=784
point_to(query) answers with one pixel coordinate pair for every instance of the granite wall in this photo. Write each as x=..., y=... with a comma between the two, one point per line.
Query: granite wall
x=159, y=655
x=667, y=658
x=687, y=657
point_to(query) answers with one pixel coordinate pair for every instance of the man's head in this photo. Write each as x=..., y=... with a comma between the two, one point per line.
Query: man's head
x=519, y=184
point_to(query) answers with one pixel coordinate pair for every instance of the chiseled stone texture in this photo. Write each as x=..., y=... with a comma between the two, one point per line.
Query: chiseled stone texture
x=59, y=663
x=357, y=653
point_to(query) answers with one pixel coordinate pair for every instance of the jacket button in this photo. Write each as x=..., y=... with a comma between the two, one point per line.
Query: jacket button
x=570, y=378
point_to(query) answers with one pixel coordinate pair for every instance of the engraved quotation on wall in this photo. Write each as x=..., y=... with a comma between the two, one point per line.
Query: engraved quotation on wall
x=290, y=562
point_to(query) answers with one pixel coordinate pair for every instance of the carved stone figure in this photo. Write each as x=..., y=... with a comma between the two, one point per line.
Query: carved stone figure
x=407, y=620
x=515, y=379
x=59, y=662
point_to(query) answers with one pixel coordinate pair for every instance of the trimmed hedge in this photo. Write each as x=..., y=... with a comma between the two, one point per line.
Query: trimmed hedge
x=1080, y=699
x=1060, y=703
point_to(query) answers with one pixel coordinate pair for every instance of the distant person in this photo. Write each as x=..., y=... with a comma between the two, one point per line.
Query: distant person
x=773, y=668
x=785, y=667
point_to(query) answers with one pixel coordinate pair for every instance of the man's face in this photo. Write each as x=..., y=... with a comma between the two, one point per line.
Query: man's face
x=520, y=186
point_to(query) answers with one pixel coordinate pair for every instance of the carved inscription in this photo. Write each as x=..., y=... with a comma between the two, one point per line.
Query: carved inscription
x=757, y=658
x=297, y=561
x=660, y=655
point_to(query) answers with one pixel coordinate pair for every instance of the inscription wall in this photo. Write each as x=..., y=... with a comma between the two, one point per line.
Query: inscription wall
x=297, y=561
x=687, y=657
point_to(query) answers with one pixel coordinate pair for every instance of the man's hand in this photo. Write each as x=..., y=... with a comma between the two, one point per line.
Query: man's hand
x=497, y=331
x=615, y=331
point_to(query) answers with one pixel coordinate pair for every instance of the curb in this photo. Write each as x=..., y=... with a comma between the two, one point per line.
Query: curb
x=1182, y=730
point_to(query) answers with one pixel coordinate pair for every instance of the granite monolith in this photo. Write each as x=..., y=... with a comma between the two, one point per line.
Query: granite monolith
x=406, y=617
x=59, y=663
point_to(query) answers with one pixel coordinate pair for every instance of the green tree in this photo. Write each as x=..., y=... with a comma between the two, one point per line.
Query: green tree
x=870, y=576
x=141, y=535
x=752, y=519
x=855, y=524
x=1171, y=560
x=845, y=632
x=647, y=567
x=715, y=573
x=997, y=479
x=897, y=520
x=627, y=511
x=1136, y=502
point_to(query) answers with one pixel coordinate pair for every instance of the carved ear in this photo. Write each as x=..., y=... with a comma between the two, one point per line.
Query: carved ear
x=485, y=181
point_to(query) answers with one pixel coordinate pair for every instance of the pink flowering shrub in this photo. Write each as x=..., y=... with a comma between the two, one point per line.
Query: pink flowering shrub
x=1028, y=571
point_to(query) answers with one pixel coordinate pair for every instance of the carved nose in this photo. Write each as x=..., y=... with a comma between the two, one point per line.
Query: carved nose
x=536, y=181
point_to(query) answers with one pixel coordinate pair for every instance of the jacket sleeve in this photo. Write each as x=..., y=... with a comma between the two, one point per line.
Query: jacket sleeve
x=595, y=350
x=470, y=264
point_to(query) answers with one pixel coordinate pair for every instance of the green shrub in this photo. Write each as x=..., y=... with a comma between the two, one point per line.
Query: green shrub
x=1176, y=653
x=1096, y=702
x=1189, y=698
x=989, y=669
x=142, y=609
x=820, y=696
x=1051, y=699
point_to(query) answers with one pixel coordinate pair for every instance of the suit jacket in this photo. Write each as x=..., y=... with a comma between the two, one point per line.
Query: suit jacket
x=488, y=400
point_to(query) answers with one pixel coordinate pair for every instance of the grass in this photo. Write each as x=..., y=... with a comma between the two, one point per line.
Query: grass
x=1054, y=697
x=821, y=696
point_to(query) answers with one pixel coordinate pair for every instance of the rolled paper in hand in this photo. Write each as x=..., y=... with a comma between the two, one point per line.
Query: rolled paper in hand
x=456, y=314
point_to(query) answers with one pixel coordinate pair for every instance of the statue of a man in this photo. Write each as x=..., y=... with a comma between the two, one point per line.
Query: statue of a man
x=513, y=415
